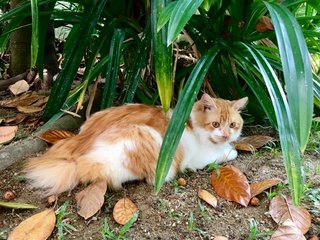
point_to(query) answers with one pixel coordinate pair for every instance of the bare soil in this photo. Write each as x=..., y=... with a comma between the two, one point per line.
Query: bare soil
x=167, y=215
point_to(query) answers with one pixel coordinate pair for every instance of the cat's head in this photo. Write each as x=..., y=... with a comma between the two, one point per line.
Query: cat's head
x=218, y=120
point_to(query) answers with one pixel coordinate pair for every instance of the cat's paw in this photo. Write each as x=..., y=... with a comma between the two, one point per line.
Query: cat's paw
x=231, y=154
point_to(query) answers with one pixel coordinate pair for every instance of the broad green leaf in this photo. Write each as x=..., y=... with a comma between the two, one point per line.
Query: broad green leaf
x=288, y=138
x=180, y=116
x=76, y=45
x=17, y=205
x=112, y=69
x=162, y=56
x=165, y=15
x=296, y=67
x=35, y=32
x=181, y=14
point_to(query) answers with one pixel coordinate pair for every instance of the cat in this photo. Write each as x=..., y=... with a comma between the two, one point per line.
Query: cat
x=121, y=144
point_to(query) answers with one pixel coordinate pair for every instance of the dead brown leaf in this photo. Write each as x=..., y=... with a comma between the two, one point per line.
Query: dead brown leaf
x=264, y=24
x=281, y=209
x=124, y=210
x=259, y=187
x=7, y=133
x=26, y=99
x=36, y=227
x=29, y=109
x=251, y=143
x=19, y=87
x=91, y=199
x=288, y=231
x=231, y=184
x=207, y=197
x=52, y=136
x=19, y=118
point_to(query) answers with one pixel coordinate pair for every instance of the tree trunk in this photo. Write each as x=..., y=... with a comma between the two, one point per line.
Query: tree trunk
x=20, y=46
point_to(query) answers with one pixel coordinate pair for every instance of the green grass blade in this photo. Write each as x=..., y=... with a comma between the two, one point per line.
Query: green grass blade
x=288, y=139
x=181, y=14
x=75, y=47
x=17, y=205
x=181, y=115
x=35, y=32
x=165, y=15
x=296, y=67
x=112, y=69
x=162, y=56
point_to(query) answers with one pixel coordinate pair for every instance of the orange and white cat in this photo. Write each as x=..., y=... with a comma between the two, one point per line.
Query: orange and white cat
x=121, y=144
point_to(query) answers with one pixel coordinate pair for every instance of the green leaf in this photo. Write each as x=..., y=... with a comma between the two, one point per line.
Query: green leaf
x=162, y=56
x=17, y=205
x=35, y=32
x=76, y=45
x=296, y=67
x=181, y=14
x=126, y=227
x=164, y=15
x=288, y=138
x=180, y=116
x=112, y=68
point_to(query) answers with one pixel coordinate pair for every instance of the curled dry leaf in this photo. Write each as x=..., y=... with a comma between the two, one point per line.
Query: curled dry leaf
x=281, y=209
x=7, y=133
x=124, y=210
x=52, y=136
x=19, y=87
x=231, y=184
x=252, y=143
x=9, y=195
x=264, y=24
x=207, y=197
x=37, y=227
x=254, y=201
x=30, y=109
x=91, y=199
x=259, y=187
x=287, y=231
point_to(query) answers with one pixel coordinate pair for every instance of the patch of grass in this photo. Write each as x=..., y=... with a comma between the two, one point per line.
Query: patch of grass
x=171, y=212
x=192, y=226
x=62, y=222
x=175, y=186
x=312, y=195
x=107, y=233
x=274, y=191
x=255, y=233
x=4, y=234
x=203, y=211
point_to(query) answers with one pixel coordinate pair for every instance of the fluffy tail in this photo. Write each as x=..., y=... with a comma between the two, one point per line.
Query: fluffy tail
x=61, y=169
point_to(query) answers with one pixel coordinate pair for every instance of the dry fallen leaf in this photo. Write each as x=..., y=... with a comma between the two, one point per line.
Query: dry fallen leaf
x=207, y=197
x=19, y=87
x=220, y=238
x=259, y=187
x=287, y=231
x=52, y=136
x=264, y=24
x=281, y=209
x=19, y=118
x=252, y=143
x=231, y=184
x=29, y=109
x=9, y=195
x=36, y=227
x=7, y=133
x=124, y=210
x=24, y=100
x=91, y=199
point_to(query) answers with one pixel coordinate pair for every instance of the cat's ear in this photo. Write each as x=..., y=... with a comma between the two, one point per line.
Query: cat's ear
x=207, y=102
x=240, y=104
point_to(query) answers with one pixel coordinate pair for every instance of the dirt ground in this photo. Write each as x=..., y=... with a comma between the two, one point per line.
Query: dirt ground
x=167, y=215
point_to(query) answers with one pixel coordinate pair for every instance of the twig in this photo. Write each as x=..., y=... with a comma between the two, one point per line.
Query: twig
x=92, y=95
x=70, y=113
x=4, y=84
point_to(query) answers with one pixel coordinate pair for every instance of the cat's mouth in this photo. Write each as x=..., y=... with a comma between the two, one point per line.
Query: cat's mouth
x=216, y=140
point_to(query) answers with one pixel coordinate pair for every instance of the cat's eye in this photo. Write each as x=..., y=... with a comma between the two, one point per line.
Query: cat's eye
x=232, y=125
x=216, y=124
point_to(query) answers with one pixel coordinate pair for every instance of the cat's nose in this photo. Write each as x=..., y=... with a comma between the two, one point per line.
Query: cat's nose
x=225, y=136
